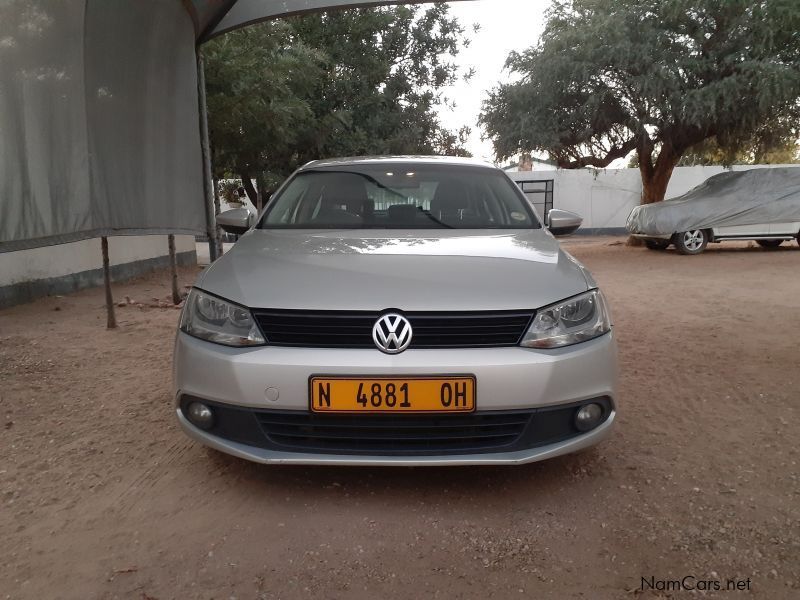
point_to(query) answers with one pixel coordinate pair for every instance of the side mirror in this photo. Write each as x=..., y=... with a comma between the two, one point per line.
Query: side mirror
x=563, y=222
x=236, y=221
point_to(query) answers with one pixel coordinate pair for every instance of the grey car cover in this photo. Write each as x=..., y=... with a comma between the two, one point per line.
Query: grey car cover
x=728, y=199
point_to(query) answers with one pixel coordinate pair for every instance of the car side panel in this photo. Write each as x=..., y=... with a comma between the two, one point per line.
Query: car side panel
x=742, y=230
x=785, y=228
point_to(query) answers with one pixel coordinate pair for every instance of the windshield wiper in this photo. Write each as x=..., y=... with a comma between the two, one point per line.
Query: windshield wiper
x=437, y=221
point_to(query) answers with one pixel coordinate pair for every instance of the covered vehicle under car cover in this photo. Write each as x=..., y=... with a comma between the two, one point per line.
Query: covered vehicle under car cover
x=728, y=199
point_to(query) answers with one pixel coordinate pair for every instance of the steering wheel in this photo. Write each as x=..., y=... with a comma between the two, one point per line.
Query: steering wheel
x=337, y=216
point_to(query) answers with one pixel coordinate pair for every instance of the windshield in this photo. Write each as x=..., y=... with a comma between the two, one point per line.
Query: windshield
x=399, y=196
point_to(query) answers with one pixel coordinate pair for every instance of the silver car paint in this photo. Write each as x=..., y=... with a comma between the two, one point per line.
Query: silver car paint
x=447, y=270
x=378, y=269
x=507, y=378
x=500, y=458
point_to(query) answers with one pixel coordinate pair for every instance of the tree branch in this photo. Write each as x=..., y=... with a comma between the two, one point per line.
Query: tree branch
x=613, y=154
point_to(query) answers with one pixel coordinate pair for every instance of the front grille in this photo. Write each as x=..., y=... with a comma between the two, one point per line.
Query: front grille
x=353, y=329
x=395, y=434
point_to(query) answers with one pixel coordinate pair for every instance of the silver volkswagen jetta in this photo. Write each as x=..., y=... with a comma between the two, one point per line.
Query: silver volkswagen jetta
x=396, y=311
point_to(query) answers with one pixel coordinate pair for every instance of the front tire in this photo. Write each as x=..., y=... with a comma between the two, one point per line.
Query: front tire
x=657, y=244
x=691, y=242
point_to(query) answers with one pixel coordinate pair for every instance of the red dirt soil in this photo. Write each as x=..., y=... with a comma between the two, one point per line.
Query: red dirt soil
x=103, y=497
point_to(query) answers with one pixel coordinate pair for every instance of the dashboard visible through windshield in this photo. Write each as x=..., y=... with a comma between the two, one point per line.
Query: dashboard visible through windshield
x=399, y=196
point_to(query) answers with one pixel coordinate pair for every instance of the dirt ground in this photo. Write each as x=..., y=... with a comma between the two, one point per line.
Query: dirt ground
x=103, y=497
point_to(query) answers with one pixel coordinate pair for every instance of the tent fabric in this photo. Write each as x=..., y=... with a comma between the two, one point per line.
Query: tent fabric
x=99, y=121
x=729, y=199
x=245, y=12
x=99, y=115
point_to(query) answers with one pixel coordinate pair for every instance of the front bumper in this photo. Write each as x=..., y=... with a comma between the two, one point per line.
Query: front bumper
x=518, y=457
x=508, y=379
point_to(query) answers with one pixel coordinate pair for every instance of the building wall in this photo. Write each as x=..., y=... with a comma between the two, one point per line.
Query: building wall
x=36, y=272
x=604, y=198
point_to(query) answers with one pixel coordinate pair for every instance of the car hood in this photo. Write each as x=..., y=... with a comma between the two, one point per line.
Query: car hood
x=380, y=269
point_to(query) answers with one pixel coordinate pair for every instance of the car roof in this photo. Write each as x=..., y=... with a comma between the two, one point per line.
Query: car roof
x=378, y=160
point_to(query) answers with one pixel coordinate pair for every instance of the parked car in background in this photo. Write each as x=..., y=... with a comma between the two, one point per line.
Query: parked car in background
x=694, y=241
x=758, y=204
x=396, y=311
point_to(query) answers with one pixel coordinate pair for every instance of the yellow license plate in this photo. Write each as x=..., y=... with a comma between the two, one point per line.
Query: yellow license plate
x=392, y=394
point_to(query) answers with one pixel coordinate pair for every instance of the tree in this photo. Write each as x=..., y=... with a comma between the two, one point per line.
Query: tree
x=256, y=82
x=778, y=150
x=770, y=146
x=353, y=82
x=654, y=77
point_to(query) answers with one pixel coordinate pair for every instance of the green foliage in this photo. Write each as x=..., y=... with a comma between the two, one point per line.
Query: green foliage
x=227, y=190
x=771, y=151
x=656, y=76
x=353, y=82
x=256, y=81
x=777, y=146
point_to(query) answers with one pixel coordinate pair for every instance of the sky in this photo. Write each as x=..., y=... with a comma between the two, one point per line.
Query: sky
x=506, y=25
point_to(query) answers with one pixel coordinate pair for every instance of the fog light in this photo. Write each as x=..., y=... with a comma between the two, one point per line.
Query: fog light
x=199, y=414
x=588, y=416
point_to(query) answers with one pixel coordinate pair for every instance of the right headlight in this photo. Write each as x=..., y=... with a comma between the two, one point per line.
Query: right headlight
x=211, y=318
x=569, y=322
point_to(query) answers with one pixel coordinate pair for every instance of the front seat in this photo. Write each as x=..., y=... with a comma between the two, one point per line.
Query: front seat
x=402, y=215
x=344, y=201
x=450, y=202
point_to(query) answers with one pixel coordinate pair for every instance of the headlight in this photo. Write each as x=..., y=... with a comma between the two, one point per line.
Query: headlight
x=216, y=320
x=575, y=320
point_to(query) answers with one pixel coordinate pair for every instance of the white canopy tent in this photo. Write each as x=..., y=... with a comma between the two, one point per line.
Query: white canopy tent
x=99, y=114
x=216, y=17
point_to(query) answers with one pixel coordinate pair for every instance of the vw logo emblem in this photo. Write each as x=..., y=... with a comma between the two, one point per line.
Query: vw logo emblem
x=392, y=333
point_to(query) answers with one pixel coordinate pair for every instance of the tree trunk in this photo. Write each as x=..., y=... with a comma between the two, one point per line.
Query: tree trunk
x=654, y=188
x=217, y=210
x=655, y=177
x=252, y=193
x=111, y=318
x=173, y=268
x=261, y=184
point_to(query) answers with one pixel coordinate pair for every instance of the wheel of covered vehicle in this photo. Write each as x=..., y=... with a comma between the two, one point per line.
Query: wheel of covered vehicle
x=691, y=242
x=657, y=244
x=769, y=243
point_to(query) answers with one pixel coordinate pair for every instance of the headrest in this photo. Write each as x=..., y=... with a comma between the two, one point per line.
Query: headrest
x=344, y=189
x=450, y=196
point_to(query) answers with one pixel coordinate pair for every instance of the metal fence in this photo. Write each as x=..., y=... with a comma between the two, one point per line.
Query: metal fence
x=539, y=192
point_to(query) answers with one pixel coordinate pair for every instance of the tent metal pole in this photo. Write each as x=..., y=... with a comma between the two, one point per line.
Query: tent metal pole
x=205, y=144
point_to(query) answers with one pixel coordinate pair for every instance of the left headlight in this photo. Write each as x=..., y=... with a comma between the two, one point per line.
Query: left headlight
x=569, y=322
x=216, y=320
